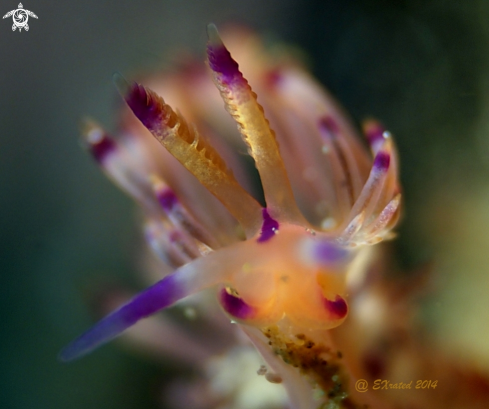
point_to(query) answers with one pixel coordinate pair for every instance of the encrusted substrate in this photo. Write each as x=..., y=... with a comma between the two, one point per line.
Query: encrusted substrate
x=319, y=363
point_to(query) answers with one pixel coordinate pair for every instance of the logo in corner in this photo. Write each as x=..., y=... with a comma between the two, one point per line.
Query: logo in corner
x=20, y=17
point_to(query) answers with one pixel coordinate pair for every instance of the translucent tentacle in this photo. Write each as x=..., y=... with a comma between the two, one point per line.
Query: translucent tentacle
x=118, y=165
x=161, y=295
x=342, y=177
x=192, y=151
x=178, y=214
x=169, y=244
x=346, y=153
x=156, y=160
x=377, y=208
x=308, y=97
x=304, y=160
x=352, y=229
x=336, y=164
x=158, y=336
x=376, y=134
x=386, y=219
x=368, y=199
x=241, y=103
x=189, y=279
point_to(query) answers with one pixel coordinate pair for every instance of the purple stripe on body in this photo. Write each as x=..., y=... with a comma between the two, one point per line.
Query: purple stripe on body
x=337, y=308
x=102, y=148
x=382, y=161
x=269, y=227
x=327, y=253
x=235, y=306
x=167, y=199
x=161, y=295
x=220, y=61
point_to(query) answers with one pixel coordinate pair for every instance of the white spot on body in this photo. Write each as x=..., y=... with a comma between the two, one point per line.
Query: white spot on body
x=328, y=223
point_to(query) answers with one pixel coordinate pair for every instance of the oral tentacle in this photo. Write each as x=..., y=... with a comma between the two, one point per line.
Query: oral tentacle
x=193, y=277
x=155, y=298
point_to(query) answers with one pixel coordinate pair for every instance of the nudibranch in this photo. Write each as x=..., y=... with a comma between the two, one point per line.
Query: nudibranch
x=280, y=264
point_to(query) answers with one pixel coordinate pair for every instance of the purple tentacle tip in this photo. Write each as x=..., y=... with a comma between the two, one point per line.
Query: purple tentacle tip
x=382, y=161
x=338, y=308
x=145, y=104
x=102, y=148
x=269, y=227
x=375, y=134
x=220, y=61
x=167, y=199
x=235, y=306
x=161, y=295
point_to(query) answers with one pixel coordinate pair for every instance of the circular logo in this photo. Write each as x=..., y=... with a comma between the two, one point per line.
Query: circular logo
x=20, y=17
x=361, y=385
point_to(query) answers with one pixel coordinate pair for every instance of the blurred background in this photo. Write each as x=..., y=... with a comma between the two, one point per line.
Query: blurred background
x=420, y=66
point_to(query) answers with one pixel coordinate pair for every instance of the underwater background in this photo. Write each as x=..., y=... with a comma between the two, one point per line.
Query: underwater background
x=421, y=67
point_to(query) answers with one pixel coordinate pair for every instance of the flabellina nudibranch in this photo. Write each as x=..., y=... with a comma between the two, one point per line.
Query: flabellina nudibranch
x=282, y=264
